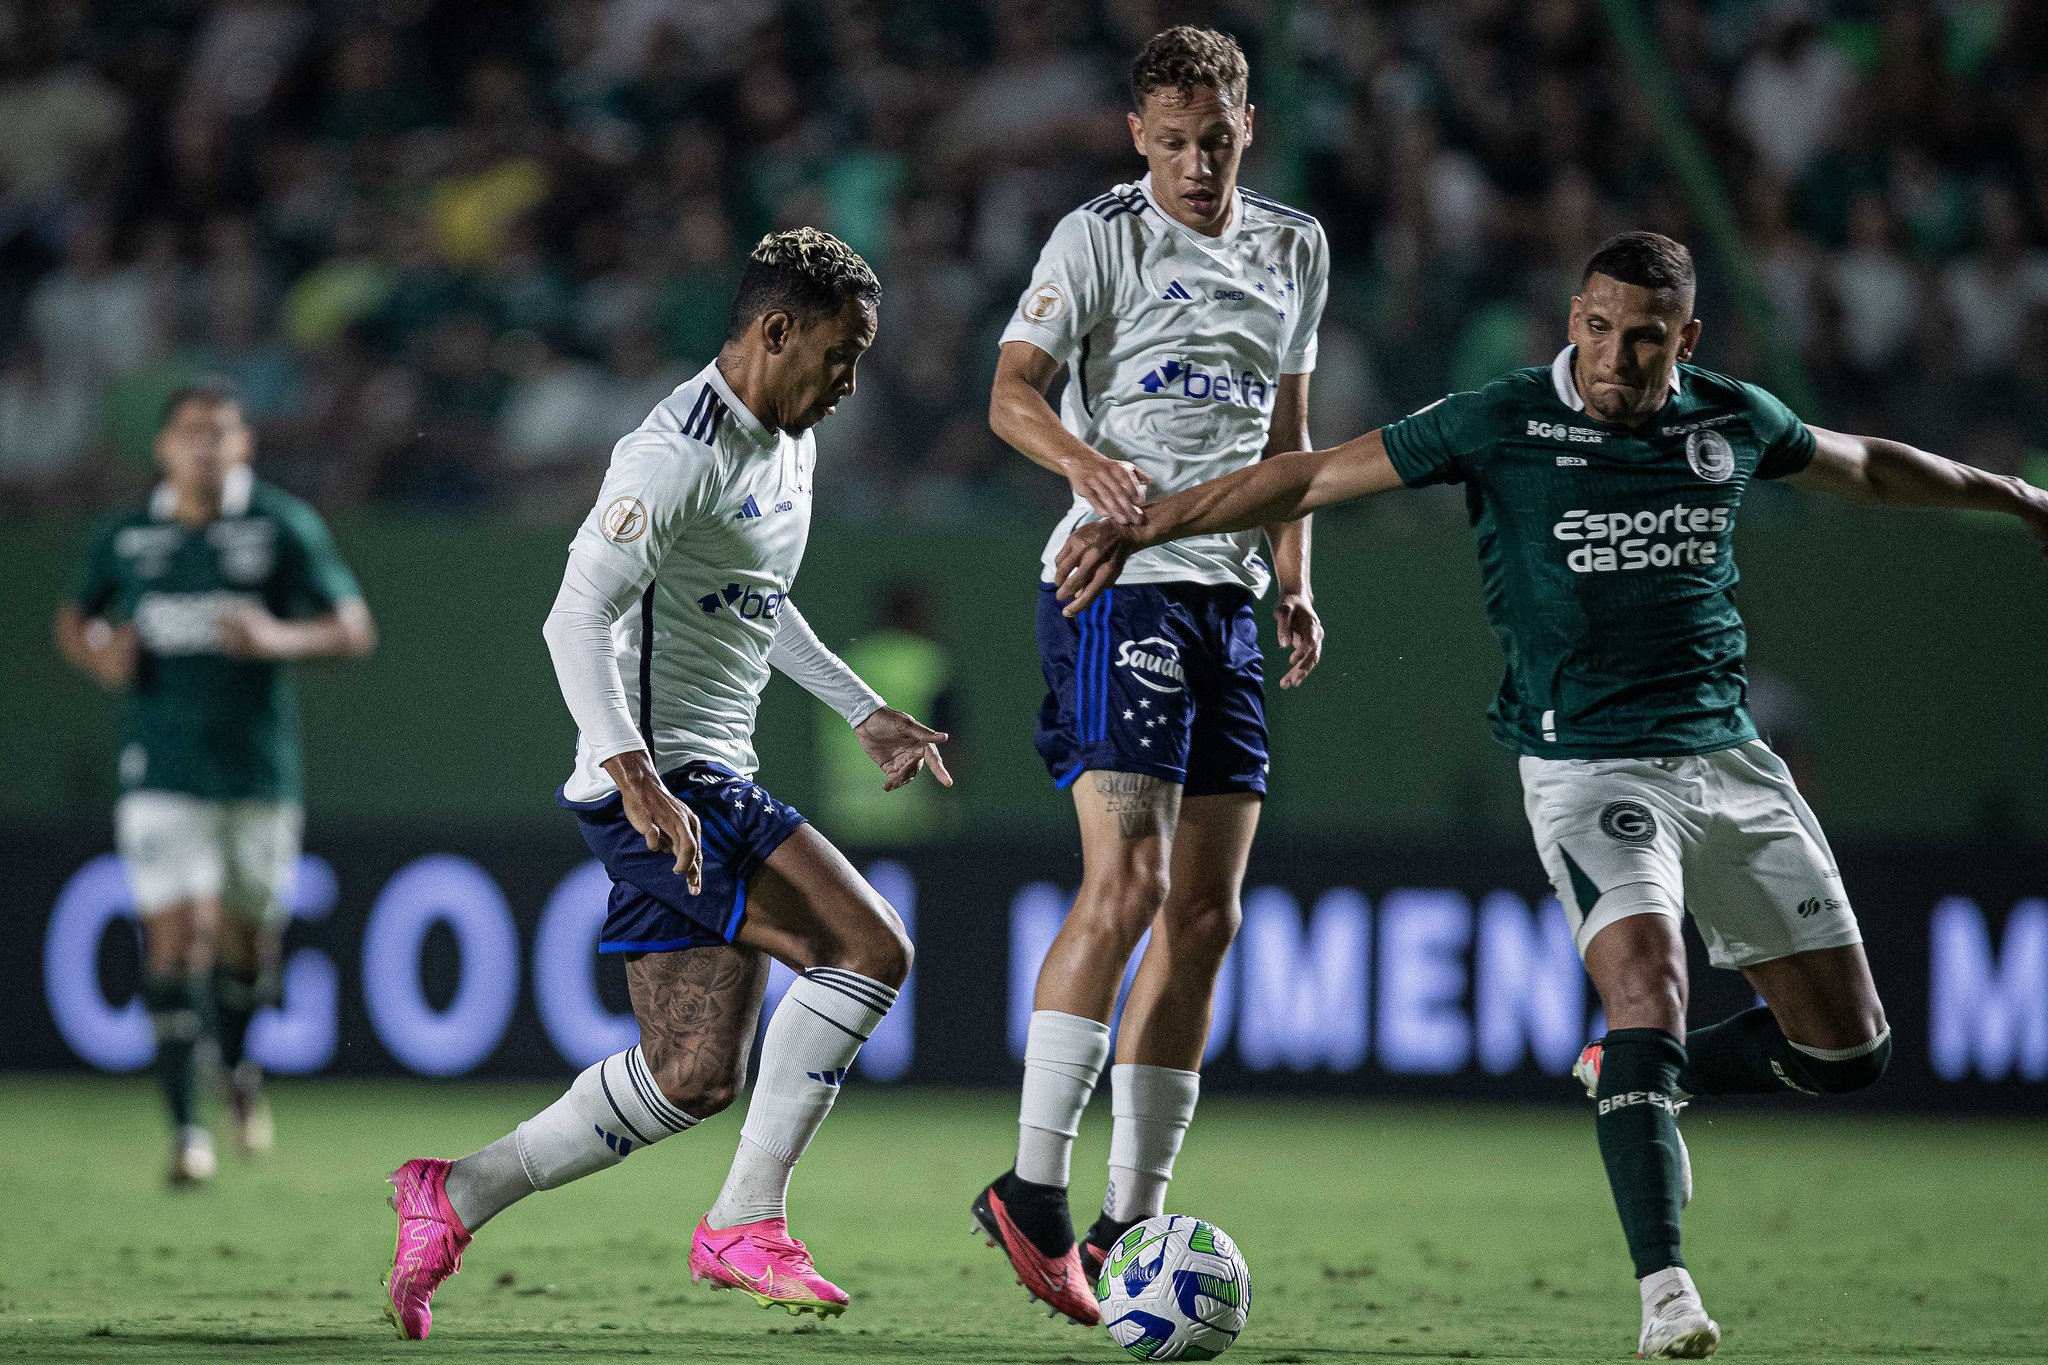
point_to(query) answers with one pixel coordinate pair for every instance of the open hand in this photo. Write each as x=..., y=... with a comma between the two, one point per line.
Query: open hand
x=1114, y=488
x=668, y=826
x=1089, y=562
x=1301, y=635
x=901, y=747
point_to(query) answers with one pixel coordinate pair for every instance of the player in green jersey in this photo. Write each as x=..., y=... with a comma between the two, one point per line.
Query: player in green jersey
x=193, y=606
x=1603, y=489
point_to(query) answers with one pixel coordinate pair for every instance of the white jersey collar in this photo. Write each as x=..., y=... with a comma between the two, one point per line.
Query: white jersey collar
x=235, y=492
x=1230, y=229
x=742, y=416
x=1568, y=391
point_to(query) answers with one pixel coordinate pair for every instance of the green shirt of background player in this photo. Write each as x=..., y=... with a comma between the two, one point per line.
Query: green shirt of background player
x=1603, y=491
x=193, y=607
x=903, y=660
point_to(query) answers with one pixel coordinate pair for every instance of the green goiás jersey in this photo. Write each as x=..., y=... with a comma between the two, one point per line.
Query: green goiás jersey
x=1605, y=553
x=198, y=721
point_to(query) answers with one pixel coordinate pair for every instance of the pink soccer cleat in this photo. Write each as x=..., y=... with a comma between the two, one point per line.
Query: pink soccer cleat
x=430, y=1243
x=765, y=1263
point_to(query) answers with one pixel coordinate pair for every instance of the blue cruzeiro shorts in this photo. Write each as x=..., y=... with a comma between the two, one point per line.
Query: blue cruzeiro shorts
x=651, y=909
x=1157, y=678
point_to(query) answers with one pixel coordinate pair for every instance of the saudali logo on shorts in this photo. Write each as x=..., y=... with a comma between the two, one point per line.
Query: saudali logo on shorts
x=1044, y=304
x=1710, y=456
x=1154, y=662
x=625, y=521
x=1628, y=821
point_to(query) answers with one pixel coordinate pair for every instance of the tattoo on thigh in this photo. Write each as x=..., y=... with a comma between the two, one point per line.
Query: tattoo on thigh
x=697, y=1008
x=1141, y=803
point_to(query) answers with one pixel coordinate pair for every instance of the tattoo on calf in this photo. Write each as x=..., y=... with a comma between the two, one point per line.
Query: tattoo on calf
x=697, y=1008
x=1142, y=804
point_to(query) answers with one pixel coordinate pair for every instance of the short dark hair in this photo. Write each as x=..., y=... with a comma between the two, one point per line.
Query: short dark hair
x=1186, y=57
x=804, y=272
x=199, y=391
x=1649, y=260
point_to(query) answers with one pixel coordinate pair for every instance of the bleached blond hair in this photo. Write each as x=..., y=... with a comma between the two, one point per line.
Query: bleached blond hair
x=805, y=272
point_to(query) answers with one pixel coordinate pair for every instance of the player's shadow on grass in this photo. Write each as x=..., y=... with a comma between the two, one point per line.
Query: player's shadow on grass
x=256, y=1341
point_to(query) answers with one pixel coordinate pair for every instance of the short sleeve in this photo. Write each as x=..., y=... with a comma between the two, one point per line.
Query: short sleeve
x=1438, y=444
x=1788, y=445
x=657, y=483
x=97, y=577
x=1071, y=288
x=1314, y=292
x=319, y=579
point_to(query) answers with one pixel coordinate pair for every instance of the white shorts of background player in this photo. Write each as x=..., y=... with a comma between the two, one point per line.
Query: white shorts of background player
x=183, y=848
x=1725, y=836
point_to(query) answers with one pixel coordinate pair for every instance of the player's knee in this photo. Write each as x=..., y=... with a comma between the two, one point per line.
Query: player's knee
x=1133, y=900
x=888, y=955
x=697, y=1082
x=1204, y=928
x=1843, y=1070
x=879, y=950
x=1652, y=995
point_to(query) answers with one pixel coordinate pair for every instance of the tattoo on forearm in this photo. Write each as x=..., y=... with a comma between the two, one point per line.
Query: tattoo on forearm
x=697, y=1008
x=1142, y=804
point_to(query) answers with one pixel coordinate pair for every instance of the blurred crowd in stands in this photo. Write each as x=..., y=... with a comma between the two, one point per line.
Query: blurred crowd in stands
x=449, y=251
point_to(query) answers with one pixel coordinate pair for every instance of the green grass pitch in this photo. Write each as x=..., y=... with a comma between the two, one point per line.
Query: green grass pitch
x=1374, y=1232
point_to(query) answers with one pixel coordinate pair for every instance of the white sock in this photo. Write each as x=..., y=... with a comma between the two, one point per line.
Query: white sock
x=810, y=1043
x=1063, y=1056
x=608, y=1112
x=1152, y=1106
x=1662, y=1285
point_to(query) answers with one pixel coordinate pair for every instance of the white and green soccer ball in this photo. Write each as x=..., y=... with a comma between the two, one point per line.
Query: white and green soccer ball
x=1174, y=1288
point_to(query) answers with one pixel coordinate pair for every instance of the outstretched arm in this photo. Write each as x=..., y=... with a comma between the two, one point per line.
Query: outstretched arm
x=1871, y=469
x=1282, y=488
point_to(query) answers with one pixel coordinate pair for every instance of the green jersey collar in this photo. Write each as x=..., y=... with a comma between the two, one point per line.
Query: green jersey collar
x=1568, y=390
x=235, y=492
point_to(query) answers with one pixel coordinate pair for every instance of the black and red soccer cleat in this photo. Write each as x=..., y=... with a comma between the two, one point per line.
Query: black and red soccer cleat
x=1031, y=1225
x=1096, y=1246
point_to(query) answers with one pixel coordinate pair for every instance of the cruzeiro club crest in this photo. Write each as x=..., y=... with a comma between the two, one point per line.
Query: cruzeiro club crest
x=1628, y=821
x=1710, y=456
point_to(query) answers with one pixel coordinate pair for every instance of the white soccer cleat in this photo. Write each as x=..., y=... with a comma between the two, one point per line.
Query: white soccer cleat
x=192, y=1159
x=1586, y=1071
x=1675, y=1322
x=253, y=1130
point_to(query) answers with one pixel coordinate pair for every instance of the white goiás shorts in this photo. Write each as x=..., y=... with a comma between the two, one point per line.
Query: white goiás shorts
x=183, y=848
x=1725, y=836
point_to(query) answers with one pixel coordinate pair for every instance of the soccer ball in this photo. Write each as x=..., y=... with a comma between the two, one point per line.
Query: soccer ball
x=1174, y=1288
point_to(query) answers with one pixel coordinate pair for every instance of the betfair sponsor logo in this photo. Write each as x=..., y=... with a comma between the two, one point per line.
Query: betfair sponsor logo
x=1612, y=542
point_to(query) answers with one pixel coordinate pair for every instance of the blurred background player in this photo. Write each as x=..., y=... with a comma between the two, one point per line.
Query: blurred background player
x=1604, y=489
x=904, y=657
x=674, y=607
x=192, y=606
x=1184, y=310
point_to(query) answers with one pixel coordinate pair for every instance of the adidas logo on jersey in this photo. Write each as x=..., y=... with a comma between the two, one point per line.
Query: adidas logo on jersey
x=748, y=510
x=1176, y=292
x=749, y=603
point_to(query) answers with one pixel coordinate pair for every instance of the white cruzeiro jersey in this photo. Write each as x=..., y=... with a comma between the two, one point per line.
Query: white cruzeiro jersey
x=1174, y=344
x=710, y=510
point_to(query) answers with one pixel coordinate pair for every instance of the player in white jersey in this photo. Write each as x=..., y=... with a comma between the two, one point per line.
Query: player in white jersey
x=1183, y=309
x=674, y=607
